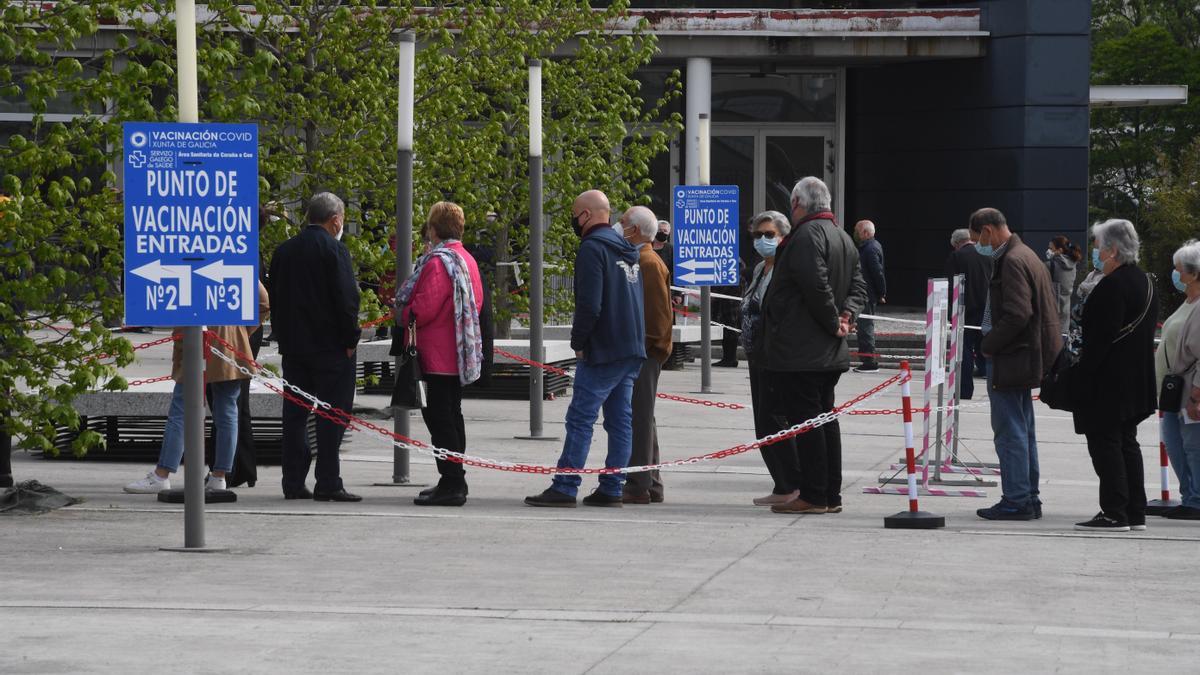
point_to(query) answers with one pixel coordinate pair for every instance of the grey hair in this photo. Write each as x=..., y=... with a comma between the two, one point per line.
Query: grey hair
x=960, y=237
x=1118, y=234
x=1188, y=257
x=867, y=227
x=323, y=207
x=644, y=220
x=811, y=194
x=780, y=220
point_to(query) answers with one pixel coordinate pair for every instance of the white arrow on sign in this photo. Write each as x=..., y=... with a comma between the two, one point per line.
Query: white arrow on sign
x=692, y=277
x=693, y=265
x=156, y=272
x=219, y=272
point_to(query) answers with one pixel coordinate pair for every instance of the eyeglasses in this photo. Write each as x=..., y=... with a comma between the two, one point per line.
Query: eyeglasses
x=661, y=236
x=760, y=235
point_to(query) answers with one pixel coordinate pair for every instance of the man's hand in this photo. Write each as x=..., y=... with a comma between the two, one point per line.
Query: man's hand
x=578, y=356
x=349, y=352
x=843, y=324
x=883, y=301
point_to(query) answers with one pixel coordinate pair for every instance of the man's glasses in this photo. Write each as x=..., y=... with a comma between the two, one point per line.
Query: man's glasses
x=661, y=236
x=760, y=235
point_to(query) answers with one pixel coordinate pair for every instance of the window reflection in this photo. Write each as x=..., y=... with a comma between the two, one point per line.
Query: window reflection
x=774, y=97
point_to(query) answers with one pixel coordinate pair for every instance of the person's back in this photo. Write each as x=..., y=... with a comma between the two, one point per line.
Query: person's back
x=1024, y=339
x=977, y=270
x=314, y=299
x=609, y=321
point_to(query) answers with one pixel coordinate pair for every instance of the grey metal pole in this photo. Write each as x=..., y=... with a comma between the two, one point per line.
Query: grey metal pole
x=404, y=214
x=193, y=437
x=705, y=291
x=536, y=255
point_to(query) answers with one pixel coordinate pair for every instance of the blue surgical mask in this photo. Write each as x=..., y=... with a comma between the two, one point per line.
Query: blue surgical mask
x=1178, y=281
x=1096, y=262
x=766, y=247
x=984, y=249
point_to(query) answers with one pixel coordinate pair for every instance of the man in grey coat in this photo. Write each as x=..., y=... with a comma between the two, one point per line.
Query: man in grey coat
x=816, y=293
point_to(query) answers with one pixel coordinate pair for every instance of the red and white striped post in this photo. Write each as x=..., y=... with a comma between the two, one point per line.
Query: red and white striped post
x=1157, y=507
x=914, y=518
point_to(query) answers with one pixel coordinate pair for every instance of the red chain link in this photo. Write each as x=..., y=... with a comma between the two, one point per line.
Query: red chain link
x=381, y=320
x=152, y=380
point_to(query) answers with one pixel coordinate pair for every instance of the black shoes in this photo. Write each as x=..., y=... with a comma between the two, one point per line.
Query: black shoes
x=725, y=364
x=1102, y=523
x=598, y=498
x=442, y=496
x=1005, y=510
x=867, y=367
x=554, y=498
x=336, y=496
x=1183, y=513
x=304, y=493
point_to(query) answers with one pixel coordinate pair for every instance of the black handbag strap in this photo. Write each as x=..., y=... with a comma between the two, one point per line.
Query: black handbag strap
x=1128, y=329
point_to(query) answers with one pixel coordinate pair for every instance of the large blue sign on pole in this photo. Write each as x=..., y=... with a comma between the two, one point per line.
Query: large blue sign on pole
x=191, y=224
x=706, y=235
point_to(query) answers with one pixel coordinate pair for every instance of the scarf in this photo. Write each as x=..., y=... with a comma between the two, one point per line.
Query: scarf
x=467, y=341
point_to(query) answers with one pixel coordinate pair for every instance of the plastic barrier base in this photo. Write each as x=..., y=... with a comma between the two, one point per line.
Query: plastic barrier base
x=210, y=496
x=1158, y=507
x=908, y=520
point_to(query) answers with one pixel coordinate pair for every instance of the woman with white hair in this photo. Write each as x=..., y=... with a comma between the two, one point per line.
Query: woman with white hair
x=1112, y=385
x=1179, y=355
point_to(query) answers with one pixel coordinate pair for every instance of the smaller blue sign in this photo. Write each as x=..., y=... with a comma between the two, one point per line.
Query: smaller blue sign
x=191, y=224
x=705, y=230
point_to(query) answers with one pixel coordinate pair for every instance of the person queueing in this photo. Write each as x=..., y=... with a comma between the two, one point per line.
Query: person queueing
x=1112, y=384
x=442, y=299
x=977, y=274
x=870, y=257
x=639, y=228
x=314, y=302
x=1179, y=354
x=768, y=229
x=608, y=335
x=1062, y=257
x=224, y=382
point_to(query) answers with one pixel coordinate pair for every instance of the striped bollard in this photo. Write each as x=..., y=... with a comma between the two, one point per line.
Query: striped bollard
x=914, y=518
x=1158, y=507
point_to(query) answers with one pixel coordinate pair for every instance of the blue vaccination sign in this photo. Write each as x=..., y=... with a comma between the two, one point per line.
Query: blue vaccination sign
x=706, y=235
x=191, y=224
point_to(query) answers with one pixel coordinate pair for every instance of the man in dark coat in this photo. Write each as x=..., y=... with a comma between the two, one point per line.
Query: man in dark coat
x=870, y=255
x=977, y=272
x=314, y=312
x=816, y=293
x=1020, y=336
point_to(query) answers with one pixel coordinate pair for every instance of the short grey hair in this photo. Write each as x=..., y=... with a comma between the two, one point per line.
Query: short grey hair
x=323, y=207
x=1188, y=257
x=1120, y=235
x=867, y=226
x=780, y=220
x=644, y=220
x=960, y=237
x=811, y=194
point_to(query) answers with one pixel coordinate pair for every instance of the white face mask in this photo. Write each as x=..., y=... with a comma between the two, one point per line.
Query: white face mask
x=339, y=234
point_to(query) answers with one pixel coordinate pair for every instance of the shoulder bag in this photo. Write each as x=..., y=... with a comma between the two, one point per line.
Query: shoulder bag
x=408, y=391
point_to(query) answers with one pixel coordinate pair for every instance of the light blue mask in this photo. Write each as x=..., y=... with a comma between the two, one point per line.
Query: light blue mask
x=984, y=249
x=766, y=247
x=1096, y=263
x=1178, y=281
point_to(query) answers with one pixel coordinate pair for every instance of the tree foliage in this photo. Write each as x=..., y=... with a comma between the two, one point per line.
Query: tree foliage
x=320, y=79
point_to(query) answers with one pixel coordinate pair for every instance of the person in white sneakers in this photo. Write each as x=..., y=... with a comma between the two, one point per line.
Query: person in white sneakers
x=224, y=387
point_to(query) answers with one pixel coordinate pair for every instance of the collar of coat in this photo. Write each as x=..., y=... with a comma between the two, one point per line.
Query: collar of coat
x=820, y=215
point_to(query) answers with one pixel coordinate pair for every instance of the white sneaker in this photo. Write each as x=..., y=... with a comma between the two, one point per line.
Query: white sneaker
x=149, y=485
x=214, y=483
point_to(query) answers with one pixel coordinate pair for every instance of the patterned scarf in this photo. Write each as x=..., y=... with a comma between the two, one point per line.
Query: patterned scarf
x=467, y=340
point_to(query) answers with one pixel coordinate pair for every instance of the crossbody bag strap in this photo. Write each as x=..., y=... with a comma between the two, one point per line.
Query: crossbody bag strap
x=1128, y=330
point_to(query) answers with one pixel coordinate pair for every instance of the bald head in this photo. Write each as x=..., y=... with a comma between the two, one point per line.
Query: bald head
x=643, y=224
x=592, y=209
x=864, y=230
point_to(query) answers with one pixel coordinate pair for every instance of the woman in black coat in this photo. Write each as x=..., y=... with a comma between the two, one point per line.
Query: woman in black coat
x=1113, y=382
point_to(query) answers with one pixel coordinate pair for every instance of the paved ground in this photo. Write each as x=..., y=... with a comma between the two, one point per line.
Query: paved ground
x=705, y=583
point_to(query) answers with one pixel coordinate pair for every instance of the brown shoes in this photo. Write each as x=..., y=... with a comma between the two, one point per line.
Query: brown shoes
x=798, y=505
x=773, y=499
x=636, y=499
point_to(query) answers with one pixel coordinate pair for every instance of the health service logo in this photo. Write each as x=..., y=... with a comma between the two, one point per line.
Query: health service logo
x=138, y=139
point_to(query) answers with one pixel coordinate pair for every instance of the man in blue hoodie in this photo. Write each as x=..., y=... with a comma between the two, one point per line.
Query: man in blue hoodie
x=608, y=335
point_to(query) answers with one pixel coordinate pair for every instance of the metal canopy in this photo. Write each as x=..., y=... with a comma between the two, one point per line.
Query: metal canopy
x=1137, y=95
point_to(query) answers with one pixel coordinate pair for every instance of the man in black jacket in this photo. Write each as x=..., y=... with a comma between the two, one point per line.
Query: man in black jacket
x=817, y=290
x=977, y=270
x=870, y=256
x=314, y=314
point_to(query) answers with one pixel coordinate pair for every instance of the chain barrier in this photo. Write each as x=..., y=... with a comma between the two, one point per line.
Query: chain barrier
x=152, y=380
x=343, y=418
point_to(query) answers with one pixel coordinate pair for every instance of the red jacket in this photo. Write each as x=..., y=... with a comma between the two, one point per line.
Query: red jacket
x=432, y=306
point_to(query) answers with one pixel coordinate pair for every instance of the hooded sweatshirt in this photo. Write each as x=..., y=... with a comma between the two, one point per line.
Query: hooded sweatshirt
x=609, y=323
x=1062, y=274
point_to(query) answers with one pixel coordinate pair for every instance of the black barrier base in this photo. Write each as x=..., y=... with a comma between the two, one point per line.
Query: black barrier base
x=907, y=520
x=210, y=496
x=1159, y=507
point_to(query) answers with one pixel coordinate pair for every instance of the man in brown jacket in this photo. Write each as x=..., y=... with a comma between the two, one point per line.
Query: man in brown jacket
x=1021, y=340
x=639, y=226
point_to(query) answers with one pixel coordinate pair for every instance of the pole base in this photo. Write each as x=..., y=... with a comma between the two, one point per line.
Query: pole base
x=1158, y=507
x=210, y=496
x=537, y=438
x=907, y=520
x=401, y=484
x=200, y=549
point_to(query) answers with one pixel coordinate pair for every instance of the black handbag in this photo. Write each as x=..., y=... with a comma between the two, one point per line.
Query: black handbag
x=408, y=391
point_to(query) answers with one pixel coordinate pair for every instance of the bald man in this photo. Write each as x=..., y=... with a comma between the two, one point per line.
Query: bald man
x=870, y=255
x=608, y=335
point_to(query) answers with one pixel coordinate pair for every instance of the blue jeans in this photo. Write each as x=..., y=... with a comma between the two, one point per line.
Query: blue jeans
x=1183, y=447
x=225, y=423
x=607, y=385
x=1016, y=444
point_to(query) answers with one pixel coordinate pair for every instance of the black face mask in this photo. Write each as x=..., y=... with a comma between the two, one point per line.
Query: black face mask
x=661, y=237
x=576, y=226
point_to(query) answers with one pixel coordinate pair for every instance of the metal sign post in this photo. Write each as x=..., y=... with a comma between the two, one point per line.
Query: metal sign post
x=404, y=214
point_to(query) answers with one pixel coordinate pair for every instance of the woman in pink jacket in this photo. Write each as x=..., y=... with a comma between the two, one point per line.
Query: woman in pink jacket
x=443, y=298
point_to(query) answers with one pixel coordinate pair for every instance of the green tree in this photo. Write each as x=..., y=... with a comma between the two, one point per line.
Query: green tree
x=1172, y=217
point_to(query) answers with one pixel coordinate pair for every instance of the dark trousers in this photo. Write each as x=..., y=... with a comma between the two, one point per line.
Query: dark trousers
x=966, y=377
x=330, y=377
x=729, y=346
x=645, y=433
x=780, y=457
x=6, y=477
x=866, y=334
x=1117, y=459
x=800, y=397
x=447, y=429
